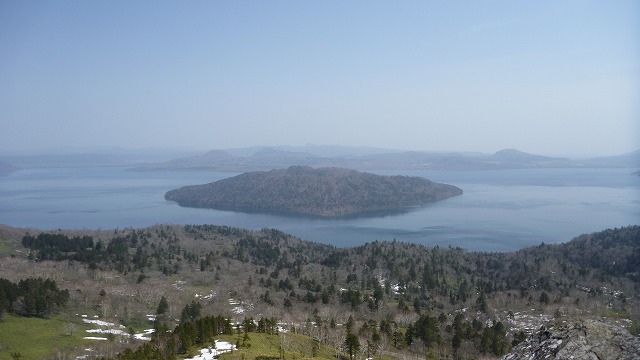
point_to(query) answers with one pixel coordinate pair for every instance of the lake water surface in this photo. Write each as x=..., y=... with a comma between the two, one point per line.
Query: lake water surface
x=500, y=210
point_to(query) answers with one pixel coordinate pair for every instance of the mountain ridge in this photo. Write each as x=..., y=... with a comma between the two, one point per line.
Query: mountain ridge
x=269, y=158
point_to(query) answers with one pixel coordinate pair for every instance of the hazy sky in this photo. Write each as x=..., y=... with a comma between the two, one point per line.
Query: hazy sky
x=548, y=77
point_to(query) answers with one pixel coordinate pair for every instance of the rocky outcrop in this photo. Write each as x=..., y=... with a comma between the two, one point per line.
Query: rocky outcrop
x=585, y=339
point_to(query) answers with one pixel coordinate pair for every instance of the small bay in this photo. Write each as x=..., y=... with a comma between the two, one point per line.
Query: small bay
x=500, y=210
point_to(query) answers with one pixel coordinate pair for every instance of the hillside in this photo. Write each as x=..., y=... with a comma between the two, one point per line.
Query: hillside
x=631, y=159
x=326, y=192
x=398, y=299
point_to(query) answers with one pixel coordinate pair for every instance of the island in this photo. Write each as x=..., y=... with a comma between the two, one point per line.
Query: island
x=323, y=192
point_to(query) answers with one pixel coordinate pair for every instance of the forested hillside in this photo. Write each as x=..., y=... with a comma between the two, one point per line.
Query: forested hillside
x=321, y=192
x=378, y=298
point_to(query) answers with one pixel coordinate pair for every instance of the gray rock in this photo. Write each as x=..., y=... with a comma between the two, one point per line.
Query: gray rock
x=585, y=339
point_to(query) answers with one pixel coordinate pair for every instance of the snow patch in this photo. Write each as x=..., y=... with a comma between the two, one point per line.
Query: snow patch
x=211, y=353
x=145, y=335
x=101, y=323
x=208, y=296
x=239, y=307
x=111, y=328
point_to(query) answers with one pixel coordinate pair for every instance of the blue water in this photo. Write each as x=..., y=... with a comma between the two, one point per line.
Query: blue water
x=500, y=210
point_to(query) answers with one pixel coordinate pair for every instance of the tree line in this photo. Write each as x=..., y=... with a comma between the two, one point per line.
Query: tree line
x=31, y=297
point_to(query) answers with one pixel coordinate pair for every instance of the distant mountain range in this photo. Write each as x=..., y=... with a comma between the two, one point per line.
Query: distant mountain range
x=267, y=158
x=130, y=158
x=6, y=168
x=273, y=158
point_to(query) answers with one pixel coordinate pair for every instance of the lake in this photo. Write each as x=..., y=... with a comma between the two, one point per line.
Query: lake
x=500, y=210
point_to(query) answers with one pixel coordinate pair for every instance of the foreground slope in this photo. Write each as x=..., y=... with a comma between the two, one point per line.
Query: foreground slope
x=326, y=192
x=406, y=300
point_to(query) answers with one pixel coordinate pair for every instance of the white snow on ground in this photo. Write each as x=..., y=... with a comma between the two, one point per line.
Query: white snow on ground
x=107, y=331
x=239, y=307
x=145, y=335
x=234, y=302
x=281, y=328
x=179, y=283
x=114, y=329
x=238, y=310
x=101, y=323
x=208, y=296
x=211, y=353
x=395, y=287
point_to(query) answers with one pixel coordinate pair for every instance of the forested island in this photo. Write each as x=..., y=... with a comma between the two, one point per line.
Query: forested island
x=325, y=192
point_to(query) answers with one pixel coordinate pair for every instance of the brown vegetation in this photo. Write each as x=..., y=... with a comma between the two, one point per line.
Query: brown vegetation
x=402, y=297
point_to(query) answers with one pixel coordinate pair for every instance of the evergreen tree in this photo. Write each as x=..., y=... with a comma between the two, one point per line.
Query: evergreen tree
x=163, y=306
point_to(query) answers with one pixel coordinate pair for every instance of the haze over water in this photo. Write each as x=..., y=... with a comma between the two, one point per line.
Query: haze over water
x=547, y=77
x=500, y=210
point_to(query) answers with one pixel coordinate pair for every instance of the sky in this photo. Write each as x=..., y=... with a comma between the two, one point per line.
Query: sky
x=546, y=77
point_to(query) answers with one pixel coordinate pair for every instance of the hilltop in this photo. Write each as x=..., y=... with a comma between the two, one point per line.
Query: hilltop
x=326, y=192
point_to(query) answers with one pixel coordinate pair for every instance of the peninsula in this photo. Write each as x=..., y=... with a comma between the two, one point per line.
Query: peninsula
x=324, y=192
